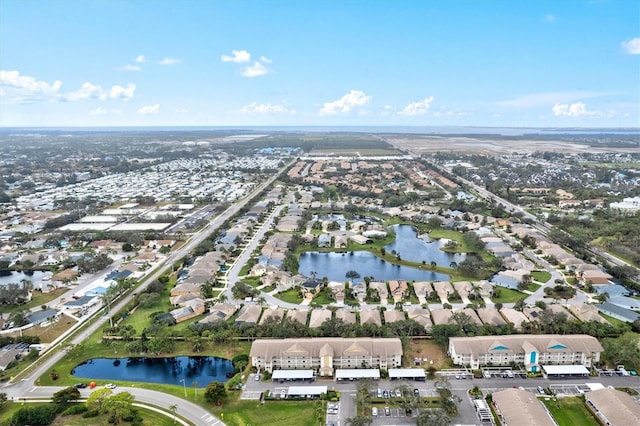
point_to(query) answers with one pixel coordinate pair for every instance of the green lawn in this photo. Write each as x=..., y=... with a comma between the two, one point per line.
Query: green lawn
x=38, y=299
x=533, y=287
x=508, y=295
x=290, y=296
x=614, y=321
x=541, y=276
x=570, y=411
x=280, y=413
x=323, y=298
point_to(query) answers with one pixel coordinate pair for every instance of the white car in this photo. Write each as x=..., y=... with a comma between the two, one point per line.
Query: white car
x=110, y=386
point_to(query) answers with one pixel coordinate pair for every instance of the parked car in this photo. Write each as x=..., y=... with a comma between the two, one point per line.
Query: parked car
x=81, y=385
x=374, y=412
x=416, y=392
x=387, y=411
x=385, y=394
x=110, y=386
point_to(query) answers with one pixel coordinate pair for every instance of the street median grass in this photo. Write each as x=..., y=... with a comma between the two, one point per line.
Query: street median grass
x=570, y=411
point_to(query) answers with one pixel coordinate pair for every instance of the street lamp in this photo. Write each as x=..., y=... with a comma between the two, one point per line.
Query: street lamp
x=185, y=387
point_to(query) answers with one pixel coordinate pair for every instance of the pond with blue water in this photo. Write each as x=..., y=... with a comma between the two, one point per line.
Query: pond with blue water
x=416, y=248
x=334, y=265
x=167, y=370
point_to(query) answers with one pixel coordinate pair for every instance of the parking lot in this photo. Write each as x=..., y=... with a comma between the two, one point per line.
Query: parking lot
x=505, y=373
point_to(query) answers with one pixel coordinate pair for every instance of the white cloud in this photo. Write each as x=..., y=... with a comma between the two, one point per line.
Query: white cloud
x=170, y=61
x=92, y=91
x=544, y=99
x=182, y=110
x=344, y=105
x=417, y=108
x=577, y=109
x=255, y=108
x=149, y=109
x=549, y=18
x=86, y=91
x=124, y=93
x=23, y=88
x=129, y=67
x=255, y=70
x=265, y=59
x=632, y=47
x=140, y=59
x=105, y=111
x=238, y=56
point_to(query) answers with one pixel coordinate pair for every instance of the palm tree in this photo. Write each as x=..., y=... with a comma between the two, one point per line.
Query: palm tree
x=453, y=265
x=433, y=264
x=174, y=409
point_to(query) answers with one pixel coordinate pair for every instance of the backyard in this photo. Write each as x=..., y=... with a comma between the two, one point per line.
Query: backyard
x=570, y=411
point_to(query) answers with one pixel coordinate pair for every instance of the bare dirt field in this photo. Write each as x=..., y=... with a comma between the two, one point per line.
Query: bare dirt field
x=429, y=144
x=429, y=351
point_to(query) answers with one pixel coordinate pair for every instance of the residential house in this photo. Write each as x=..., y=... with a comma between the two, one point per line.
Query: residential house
x=517, y=318
x=381, y=288
x=219, y=312
x=319, y=316
x=393, y=316
x=44, y=317
x=622, y=314
x=491, y=316
x=399, y=290
x=189, y=309
x=585, y=312
x=347, y=317
x=249, y=314
x=421, y=316
x=520, y=407
x=276, y=313
x=298, y=316
x=441, y=316
x=613, y=407
x=422, y=290
x=370, y=316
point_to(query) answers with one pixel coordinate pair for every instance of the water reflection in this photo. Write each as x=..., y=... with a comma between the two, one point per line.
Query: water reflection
x=168, y=370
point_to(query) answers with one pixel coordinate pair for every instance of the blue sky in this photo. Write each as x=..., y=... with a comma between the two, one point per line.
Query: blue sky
x=228, y=63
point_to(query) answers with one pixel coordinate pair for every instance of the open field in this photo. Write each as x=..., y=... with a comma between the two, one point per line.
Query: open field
x=51, y=332
x=359, y=152
x=286, y=413
x=570, y=411
x=490, y=145
x=429, y=351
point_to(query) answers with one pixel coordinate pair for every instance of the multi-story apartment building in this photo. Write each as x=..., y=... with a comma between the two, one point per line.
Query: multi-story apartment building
x=532, y=351
x=324, y=355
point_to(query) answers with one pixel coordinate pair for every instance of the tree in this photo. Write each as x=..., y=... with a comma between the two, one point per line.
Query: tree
x=352, y=274
x=359, y=421
x=119, y=406
x=3, y=399
x=433, y=417
x=66, y=395
x=97, y=398
x=174, y=409
x=215, y=393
